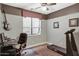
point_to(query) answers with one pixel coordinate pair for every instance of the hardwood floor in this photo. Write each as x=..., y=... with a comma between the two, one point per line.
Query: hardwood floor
x=39, y=51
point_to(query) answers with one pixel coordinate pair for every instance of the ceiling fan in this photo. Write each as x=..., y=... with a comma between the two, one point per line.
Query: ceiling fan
x=45, y=5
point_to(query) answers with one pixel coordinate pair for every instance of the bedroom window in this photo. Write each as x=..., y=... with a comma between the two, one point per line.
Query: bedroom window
x=31, y=26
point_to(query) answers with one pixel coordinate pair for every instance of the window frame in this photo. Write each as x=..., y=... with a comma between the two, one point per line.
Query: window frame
x=39, y=31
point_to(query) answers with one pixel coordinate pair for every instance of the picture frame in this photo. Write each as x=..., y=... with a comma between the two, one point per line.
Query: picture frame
x=55, y=24
x=74, y=22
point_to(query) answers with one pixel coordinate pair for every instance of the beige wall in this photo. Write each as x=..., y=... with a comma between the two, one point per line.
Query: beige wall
x=57, y=36
x=17, y=28
x=15, y=25
x=34, y=40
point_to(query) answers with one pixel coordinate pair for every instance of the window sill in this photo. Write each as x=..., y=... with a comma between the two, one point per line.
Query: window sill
x=33, y=35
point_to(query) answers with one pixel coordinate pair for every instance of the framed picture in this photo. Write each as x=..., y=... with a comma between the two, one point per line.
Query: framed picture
x=73, y=22
x=56, y=24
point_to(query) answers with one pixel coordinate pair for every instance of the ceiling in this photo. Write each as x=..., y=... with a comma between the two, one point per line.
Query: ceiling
x=29, y=6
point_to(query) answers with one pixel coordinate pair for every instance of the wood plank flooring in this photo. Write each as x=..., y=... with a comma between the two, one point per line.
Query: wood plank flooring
x=39, y=51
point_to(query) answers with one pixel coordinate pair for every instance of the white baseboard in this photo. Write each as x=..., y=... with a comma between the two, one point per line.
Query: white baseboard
x=49, y=43
x=36, y=44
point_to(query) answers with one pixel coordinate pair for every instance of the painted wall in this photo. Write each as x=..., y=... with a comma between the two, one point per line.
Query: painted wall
x=15, y=25
x=17, y=28
x=57, y=36
x=34, y=40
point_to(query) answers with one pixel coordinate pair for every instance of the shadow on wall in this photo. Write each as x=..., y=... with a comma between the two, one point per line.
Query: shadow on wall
x=76, y=34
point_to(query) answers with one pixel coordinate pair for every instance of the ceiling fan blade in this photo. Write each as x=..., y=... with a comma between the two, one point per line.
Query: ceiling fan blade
x=50, y=4
x=47, y=4
x=35, y=8
x=43, y=4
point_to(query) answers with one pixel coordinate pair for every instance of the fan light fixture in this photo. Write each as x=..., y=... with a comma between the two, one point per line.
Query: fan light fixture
x=44, y=8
